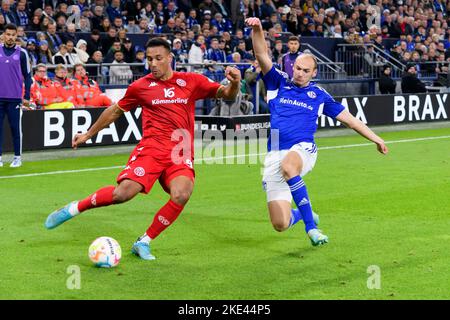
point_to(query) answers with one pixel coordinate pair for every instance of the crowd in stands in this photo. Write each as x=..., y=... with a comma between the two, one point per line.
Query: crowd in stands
x=213, y=31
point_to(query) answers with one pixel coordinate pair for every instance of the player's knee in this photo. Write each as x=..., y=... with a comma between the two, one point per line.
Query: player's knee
x=280, y=226
x=180, y=196
x=120, y=196
x=289, y=170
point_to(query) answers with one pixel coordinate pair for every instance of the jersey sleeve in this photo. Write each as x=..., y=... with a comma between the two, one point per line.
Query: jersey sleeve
x=204, y=87
x=274, y=79
x=131, y=99
x=331, y=107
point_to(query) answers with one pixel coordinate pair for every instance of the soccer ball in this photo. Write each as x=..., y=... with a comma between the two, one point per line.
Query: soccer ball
x=105, y=252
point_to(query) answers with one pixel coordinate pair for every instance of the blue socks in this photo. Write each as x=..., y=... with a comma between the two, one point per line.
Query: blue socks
x=301, y=199
x=296, y=216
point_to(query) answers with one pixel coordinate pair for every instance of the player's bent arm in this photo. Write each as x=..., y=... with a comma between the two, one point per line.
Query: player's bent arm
x=259, y=45
x=353, y=123
x=228, y=92
x=108, y=116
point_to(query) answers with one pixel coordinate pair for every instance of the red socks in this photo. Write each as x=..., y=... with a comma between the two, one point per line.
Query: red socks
x=103, y=197
x=164, y=218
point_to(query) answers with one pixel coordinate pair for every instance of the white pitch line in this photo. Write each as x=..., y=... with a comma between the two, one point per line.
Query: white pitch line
x=220, y=158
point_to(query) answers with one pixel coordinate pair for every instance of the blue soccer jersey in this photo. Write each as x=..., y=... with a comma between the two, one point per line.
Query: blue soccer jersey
x=294, y=110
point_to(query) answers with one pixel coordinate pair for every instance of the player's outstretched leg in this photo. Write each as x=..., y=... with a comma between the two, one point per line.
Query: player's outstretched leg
x=102, y=197
x=141, y=248
x=59, y=216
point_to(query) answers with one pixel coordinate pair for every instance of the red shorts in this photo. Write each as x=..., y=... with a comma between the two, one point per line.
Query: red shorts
x=145, y=167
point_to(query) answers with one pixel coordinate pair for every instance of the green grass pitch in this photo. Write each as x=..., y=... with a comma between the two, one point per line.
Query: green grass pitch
x=391, y=212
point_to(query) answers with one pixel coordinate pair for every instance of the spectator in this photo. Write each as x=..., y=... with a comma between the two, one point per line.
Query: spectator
x=105, y=25
x=66, y=87
x=131, y=26
x=118, y=73
x=62, y=57
x=116, y=46
x=85, y=25
x=197, y=51
x=410, y=82
x=44, y=93
x=21, y=13
x=108, y=41
x=387, y=85
x=97, y=72
x=94, y=43
x=44, y=54
x=278, y=51
x=138, y=71
x=179, y=52
x=8, y=14
x=72, y=52
x=32, y=51
x=170, y=11
x=245, y=56
x=70, y=34
x=35, y=24
x=97, y=18
x=221, y=23
x=53, y=39
x=89, y=92
x=114, y=10
x=83, y=56
x=192, y=19
x=128, y=50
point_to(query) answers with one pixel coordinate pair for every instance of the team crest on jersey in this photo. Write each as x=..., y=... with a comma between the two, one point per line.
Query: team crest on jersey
x=311, y=94
x=181, y=82
x=139, y=171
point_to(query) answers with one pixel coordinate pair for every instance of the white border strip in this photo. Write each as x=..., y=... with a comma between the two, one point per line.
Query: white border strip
x=225, y=157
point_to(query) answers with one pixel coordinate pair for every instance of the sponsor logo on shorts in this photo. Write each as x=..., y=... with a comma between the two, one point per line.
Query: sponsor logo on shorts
x=264, y=185
x=163, y=220
x=139, y=171
x=181, y=82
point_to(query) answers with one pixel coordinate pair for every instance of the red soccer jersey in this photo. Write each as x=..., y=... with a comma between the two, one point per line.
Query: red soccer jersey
x=167, y=107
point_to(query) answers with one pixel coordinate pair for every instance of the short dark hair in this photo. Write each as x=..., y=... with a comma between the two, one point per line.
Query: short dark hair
x=10, y=26
x=294, y=38
x=158, y=42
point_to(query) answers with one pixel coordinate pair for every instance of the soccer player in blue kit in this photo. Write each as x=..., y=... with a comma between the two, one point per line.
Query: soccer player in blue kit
x=295, y=105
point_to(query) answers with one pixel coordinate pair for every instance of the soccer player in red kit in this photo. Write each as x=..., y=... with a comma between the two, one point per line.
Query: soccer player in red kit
x=165, y=152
